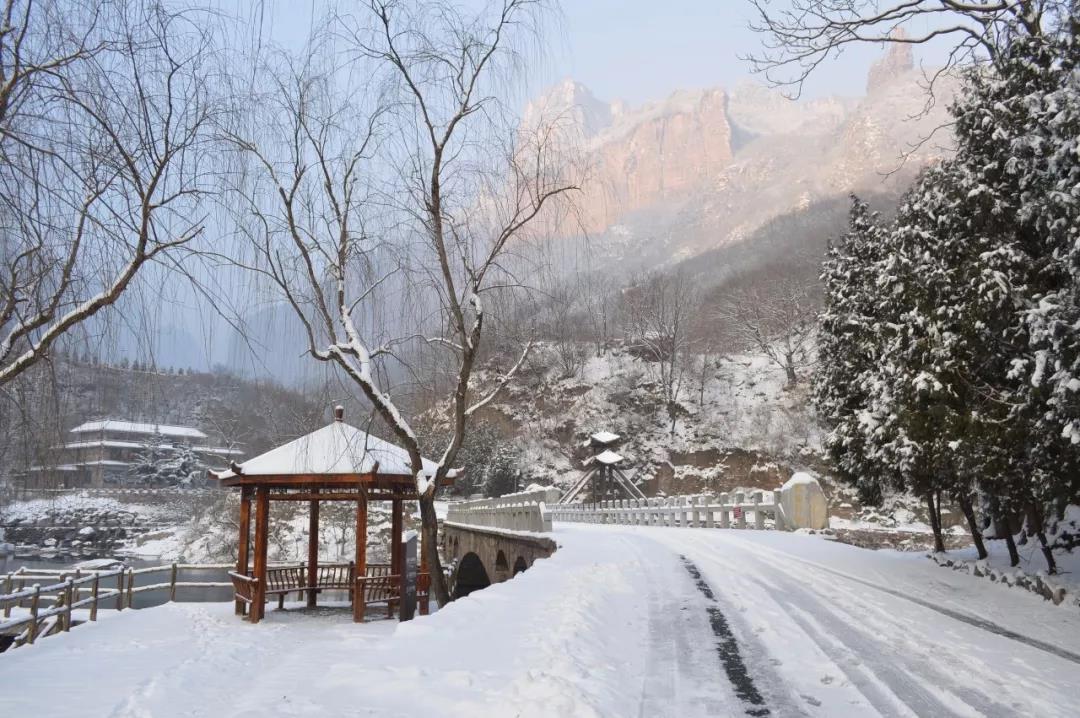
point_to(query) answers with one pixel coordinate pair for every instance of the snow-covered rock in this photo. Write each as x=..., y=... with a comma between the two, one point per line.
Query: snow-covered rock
x=804, y=503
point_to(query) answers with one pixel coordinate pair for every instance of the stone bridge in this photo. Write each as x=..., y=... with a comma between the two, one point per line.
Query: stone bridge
x=492, y=540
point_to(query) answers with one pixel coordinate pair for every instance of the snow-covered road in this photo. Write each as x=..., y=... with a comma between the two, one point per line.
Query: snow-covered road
x=832, y=630
x=620, y=622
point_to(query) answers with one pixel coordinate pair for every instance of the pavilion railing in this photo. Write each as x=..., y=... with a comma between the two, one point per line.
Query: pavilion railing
x=377, y=586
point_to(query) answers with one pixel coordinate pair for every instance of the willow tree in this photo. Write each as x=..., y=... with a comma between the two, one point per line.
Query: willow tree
x=387, y=193
x=105, y=148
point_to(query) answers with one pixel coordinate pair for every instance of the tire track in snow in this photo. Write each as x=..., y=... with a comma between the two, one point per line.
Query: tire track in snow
x=680, y=675
x=866, y=660
x=728, y=648
x=905, y=676
x=975, y=621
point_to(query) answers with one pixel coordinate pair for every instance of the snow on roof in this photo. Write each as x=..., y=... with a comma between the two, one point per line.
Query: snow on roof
x=109, y=443
x=337, y=448
x=81, y=464
x=116, y=444
x=223, y=450
x=608, y=457
x=604, y=437
x=129, y=427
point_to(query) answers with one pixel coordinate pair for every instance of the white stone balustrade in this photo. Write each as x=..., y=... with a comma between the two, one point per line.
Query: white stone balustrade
x=522, y=511
x=783, y=507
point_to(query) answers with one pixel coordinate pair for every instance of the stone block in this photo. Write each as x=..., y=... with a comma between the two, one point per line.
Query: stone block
x=804, y=503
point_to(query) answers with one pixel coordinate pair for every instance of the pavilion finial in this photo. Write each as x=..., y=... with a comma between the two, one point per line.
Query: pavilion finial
x=339, y=413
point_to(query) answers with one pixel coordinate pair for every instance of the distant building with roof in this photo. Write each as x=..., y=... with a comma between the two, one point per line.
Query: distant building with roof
x=103, y=453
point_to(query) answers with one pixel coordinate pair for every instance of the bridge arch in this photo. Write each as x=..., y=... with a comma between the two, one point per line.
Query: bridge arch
x=501, y=555
x=470, y=576
x=502, y=568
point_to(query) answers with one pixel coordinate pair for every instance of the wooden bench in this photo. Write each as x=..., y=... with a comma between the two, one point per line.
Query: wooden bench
x=378, y=586
x=284, y=580
x=243, y=591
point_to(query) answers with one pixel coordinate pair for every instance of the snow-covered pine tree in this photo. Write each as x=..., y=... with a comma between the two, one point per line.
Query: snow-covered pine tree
x=161, y=465
x=1017, y=127
x=935, y=424
x=502, y=474
x=950, y=348
x=849, y=348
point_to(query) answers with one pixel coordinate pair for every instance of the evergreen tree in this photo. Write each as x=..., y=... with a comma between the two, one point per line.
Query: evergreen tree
x=849, y=348
x=950, y=357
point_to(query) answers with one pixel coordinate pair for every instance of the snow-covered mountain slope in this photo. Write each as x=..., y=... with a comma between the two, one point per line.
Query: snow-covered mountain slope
x=741, y=428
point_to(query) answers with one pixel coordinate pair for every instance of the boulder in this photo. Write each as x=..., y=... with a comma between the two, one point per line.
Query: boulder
x=804, y=503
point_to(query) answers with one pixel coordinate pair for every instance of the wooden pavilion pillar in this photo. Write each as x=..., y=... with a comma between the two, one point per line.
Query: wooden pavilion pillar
x=424, y=570
x=360, y=577
x=244, y=542
x=396, y=554
x=262, y=520
x=395, y=537
x=312, y=572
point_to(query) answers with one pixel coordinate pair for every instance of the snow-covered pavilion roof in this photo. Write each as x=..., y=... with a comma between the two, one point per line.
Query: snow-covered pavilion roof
x=337, y=448
x=604, y=437
x=608, y=457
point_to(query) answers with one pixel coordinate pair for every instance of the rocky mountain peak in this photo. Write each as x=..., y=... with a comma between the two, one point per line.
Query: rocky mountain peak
x=571, y=102
x=898, y=60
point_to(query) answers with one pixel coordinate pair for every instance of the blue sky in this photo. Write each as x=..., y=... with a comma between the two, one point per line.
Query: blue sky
x=640, y=50
x=634, y=50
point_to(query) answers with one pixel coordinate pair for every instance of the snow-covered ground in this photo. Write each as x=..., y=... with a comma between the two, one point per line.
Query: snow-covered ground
x=621, y=621
x=38, y=509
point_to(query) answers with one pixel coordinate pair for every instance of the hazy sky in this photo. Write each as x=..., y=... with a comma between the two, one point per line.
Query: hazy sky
x=634, y=50
x=640, y=50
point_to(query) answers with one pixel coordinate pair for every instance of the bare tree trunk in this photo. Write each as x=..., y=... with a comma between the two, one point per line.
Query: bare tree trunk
x=935, y=522
x=1014, y=555
x=964, y=499
x=430, y=533
x=789, y=369
x=1002, y=521
x=1035, y=521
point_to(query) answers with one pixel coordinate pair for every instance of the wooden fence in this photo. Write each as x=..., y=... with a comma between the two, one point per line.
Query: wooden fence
x=51, y=596
x=701, y=511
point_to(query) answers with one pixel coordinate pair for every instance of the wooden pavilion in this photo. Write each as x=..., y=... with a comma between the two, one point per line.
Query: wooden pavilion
x=335, y=463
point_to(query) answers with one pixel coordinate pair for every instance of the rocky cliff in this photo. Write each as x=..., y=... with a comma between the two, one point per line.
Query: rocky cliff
x=705, y=168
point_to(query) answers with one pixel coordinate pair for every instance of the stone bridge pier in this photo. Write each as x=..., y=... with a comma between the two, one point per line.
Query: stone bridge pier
x=482, y=555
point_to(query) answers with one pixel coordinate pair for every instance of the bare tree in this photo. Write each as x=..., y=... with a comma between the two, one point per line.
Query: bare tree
x=802, y=34
x=561, y=317
x=659, y=312
x=104, y=119
x=419, y=199
x=775, y=315
x=599, y=295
